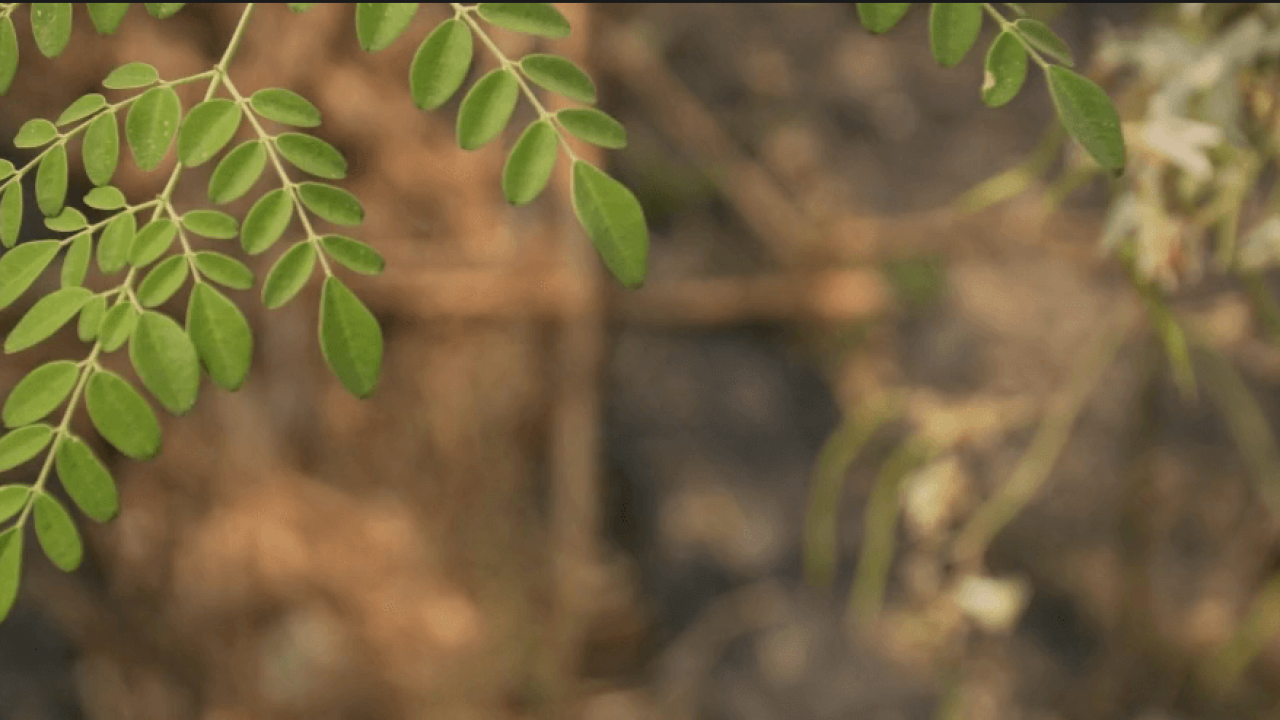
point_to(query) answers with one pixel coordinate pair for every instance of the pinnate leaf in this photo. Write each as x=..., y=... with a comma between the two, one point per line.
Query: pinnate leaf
x=45, y=317
x=20, y=445
x=1005, y=70
x=288, y=275
x=211, y=224
x=117, y=238
x=379, y=24
x=105, y=198
x=530, y=163
x=151, y=124
x=117, y=326
x=86, y=479
x=353, y=254
x=532, y=18
x=237, y=172
x=51, y=27
x=131, y=75
x=57, y=533
x=152, y=241
x=285, y=107
x=350, y=338
x=91, y=318
x=331, y=203
x=613, y=219
x=487, y=108
x=440, y=65
x=593, y=126
x=21, y=266
x=312, y=155
x=51, y=181
x=163, y=281
x=953, y=29
x=165, y=360
x=559, y=75
x=34, y=133
x=1088, y=116
x=101, y=149
x=76, y=263
x=221, y=336
x=224, y=270
x=68, y=220
x=266, y=221
x=206, y=130
x=39, y=393
x=83, y=107
x=121, y=416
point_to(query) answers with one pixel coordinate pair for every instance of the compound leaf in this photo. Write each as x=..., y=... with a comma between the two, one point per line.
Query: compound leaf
x=34, y=133
x=331, y=203
x=953, y=29
x=83, y=107
x=51, y=27
x=266, y=221
x=1005, y=70
x=221, y=336
x=530, y=163
x=121, y=416
x=237, y=172
x=613, y=219
x=440, y=65
x=113, y=246
x=86, y=479
x=51, y=181
x=69, y=220
x=211, y=224
x=45, y=317
x=151, y=124
x=1088, y=116
x=57, y=533
x=285, y=107
x=117, y=326
x=532, y=18
x=593, y=126
x=21, y=266
x=353, y=254
x=379, y=24
x=206, y=130
x=39, y=393
x=559, y=75
x=91, y=318
x=19, y=446
x=131, y=75
x=487, y=108
x=312, y=155
x=101, y=149
x=76, y=263
x=881, y=17
x=288, y=275
x=163, y=281
x=152, y=241
x=350, y=338
x=224, y=270
x=166, y=362
x=106, y=197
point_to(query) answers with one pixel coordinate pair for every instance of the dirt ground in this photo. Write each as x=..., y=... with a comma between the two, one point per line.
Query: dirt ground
x=570, y=501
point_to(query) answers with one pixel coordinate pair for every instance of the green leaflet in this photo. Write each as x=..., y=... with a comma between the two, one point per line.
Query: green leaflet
x=131, y=75
x=312, y=155
x=39, y=393
x=10, y=568
x=440, y=65
x=57, y=533
x=21, y=266
x=68, y=220
x=953, y=29
x=151, y=124
x=163, y=281
x=6, y=169
x=379, y=24
x=45, y=317
x=288, y=275
x=121, y=416
x=532, y=18
x=221, y=336
x=301, y=7
x=559, y=75
x=331, y=203
x=83, y=107
x=51, y=181
x=286, y=107
x=19, y=446
x=353, y=254
x=101, y=149
x=613, y=219
x=1005, y=70
x=266, y=221
x=51, y=27
x=117, y=326
x=593, y=126
x=211, y=224
x=1044, y=39
x=487, y=108
x=1088, y=116
x=91, y=318
x=106, y=17
x=163, y=11
x=881, y=17
x=8, y=68
x=76, y=263
x=12, y=499
x=115, y=242
x=10, y=216
x=85, y=478
x=34, y=133
x=224, y=270
x=166, y=361
x=237, y=172
x=529, y=166
x=152, y=241
x=206, y=130
x=105, y=198
x=350, y=338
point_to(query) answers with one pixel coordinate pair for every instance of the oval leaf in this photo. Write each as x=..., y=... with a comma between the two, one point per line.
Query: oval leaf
x=613, y=219
x=312, y=155
x=40, y=392
x=163, y=281
x=121, y=416
x=487, y=108
x=83, y=107
x=76, y=263
x=350, y=338
x=353, y=254
x=206, y=130
x=86, y=479
x=45, y=317
x=106, y=17
x=530, y=163
x=440, y=65
x=12, y=499
x=152, y=241
x=559, y=75
x=1005, y=70
x=51, y=27
x=288, y=275
x=1088, y=115
x=105, y=198
x=117, y=326
x=221, y=335
x=10, y=568
x=10, y=217
x=91, y=318
x=6, y=169
x=151, y=124
x=379, y=24
x=1044, y=39
x=163, y=11
x=51, y=181
x=211, y=224
x=224, y=270
x=34, y=133
x=131, y=75
x=166, y=362
x=532, y=18
x=57, y=534
x=69, y=220
x=8, y=63
x=266, y=221
x=953, y=29
x=21, y=266
x=330, y=203
x=881, y=17
x=19, y=446
x=237, y=172
x=286, y=107
x=593, y=126
x=113, y=246
x=101, y=149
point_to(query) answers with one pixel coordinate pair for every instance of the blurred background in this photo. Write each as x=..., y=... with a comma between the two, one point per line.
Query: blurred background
x=774, y=483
